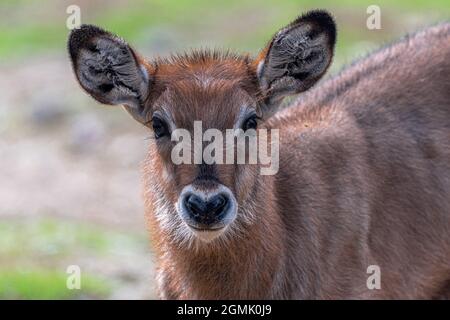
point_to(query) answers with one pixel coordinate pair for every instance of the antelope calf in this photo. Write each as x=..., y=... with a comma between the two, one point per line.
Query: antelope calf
x=364, y=164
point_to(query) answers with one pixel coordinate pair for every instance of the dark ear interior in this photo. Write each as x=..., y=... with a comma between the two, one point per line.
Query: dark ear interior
x=107, y=68
x=298, y=55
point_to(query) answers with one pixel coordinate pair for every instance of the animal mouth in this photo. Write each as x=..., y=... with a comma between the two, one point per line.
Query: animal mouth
x=206, y=228
x=207, y=233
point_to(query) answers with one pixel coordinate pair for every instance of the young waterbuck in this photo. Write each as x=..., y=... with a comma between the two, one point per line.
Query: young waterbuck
x=364, y=164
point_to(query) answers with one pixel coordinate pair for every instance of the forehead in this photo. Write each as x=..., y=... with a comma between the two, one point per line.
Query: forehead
x=212, y=87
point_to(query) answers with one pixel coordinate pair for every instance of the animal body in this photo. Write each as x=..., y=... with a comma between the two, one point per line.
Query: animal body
x=364, y=164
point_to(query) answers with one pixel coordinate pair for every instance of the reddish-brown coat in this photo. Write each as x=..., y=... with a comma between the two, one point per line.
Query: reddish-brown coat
x=364, y=179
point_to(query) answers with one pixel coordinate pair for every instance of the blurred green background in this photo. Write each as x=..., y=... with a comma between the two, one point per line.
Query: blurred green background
x=69, y=169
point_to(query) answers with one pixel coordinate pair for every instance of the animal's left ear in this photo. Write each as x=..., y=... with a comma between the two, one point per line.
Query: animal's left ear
x=297, y=56
x=109, y=70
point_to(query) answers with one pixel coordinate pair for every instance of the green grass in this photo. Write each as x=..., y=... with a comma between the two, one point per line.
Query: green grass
x=48, y=284
x=48, y=237
x=35, y=253
x=30, y=35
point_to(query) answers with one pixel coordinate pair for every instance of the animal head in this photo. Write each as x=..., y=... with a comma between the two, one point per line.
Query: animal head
x=220, y=89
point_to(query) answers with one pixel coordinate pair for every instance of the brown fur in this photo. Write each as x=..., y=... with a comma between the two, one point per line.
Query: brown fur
x=364, y=177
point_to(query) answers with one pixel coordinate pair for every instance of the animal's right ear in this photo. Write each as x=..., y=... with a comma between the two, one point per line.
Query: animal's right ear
x=109, y=70
x=297, y=56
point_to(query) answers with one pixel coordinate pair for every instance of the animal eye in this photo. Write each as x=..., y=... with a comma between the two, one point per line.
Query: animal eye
x=159, y=127
x=250, y=123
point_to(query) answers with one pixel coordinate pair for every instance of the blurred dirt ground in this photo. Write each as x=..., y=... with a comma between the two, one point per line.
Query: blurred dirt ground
x=67, y=160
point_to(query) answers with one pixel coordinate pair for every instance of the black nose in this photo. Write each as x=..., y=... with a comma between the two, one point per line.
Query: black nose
x=206, y=211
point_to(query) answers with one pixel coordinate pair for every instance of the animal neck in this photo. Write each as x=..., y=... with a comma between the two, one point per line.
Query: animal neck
x=243, y=266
